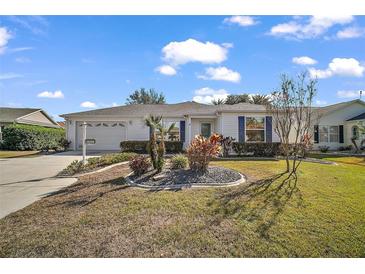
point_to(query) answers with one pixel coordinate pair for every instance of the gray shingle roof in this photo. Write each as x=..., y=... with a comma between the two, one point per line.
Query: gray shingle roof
x=9, y=115
x=180, y=109
x=331, y=108
x=358, y=117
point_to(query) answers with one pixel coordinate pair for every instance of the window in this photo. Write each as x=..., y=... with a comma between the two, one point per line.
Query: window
x=173, y=135
x=206, y=129
x=355, y=132
x=329, y=134
x=255, y=129
x=334, y=135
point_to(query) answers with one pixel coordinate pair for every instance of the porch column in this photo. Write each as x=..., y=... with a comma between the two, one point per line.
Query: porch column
x=188, y=130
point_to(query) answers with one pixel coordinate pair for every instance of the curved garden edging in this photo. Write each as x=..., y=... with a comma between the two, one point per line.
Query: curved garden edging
x=93, y=172
x=180, y=186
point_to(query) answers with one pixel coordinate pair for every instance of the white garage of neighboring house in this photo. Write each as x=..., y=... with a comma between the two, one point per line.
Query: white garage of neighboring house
x=244, y=122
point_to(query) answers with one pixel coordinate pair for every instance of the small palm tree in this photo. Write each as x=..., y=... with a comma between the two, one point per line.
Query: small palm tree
x=153, y=123
x=161, y=150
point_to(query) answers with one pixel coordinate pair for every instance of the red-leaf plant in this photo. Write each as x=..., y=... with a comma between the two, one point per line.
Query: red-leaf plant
x=201, y=150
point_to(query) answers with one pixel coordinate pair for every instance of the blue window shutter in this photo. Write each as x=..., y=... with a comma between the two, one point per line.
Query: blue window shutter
x=316, y=134
x=341, y=134
x=268, y=129
x=241, y=129
x=182, y=131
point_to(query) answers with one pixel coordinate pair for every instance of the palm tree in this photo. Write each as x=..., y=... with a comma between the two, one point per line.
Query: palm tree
x=161, y=146
x=218, y=101
x=259, y=99
x=153, y=123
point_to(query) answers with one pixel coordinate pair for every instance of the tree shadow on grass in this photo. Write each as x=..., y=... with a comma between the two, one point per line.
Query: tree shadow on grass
x=260, y=202
x=83, y=194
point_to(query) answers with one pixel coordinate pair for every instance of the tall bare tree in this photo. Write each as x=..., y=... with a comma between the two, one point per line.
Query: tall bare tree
x=293, y=117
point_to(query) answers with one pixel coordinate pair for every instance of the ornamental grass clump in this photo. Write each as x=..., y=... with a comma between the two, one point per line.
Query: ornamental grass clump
x=201, y=150
x=179, y=161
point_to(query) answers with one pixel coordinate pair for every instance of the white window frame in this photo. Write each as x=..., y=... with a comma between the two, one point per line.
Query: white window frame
x=264, y=129
x=329, y=134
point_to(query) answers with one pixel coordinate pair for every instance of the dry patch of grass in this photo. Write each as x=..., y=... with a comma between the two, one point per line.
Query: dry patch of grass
x=13, y=154
x=320, y=215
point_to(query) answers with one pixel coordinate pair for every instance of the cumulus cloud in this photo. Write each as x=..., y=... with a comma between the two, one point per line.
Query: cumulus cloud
x=221, y=73
x=350, y=32
x=191, y=50
x=243, y=21
x=313, y=27
x=5, y=36
x=339, y=67
x=9, y=76
x=207, y=95
x=36, y=24
x=52, y=95
x=348, y=94
x=88, y=104
x=304, y=60
x=166, y=70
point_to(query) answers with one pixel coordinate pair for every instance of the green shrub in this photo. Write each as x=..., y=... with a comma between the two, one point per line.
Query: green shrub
x=143, y=146
x=139, y=164
x=324, y=149
x=179, y=161
x=257, y=149
x=28, y=137
x=95, y=162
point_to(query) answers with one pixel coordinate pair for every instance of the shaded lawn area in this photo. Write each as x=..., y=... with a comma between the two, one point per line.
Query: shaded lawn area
x=13, y=154
x=320, y=215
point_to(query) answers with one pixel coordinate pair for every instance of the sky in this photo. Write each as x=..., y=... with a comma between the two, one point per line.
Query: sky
x=73, y=63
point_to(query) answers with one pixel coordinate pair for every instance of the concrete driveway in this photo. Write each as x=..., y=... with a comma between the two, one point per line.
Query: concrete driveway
x=25, y=180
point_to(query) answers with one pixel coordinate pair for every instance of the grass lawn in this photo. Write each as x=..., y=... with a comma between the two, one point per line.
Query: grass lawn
x=341, y=159
x=13, y=154
x=320, y=215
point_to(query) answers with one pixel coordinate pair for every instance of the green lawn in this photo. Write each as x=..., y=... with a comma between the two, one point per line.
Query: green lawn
x=13, y=154
x=320, y=215
x=360, y=160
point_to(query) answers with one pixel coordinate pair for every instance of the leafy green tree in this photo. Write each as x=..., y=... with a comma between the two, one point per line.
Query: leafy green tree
x=233, y=99
x=143, y=96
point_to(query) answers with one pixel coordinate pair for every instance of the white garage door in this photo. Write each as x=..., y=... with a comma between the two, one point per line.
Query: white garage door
x=107, y=135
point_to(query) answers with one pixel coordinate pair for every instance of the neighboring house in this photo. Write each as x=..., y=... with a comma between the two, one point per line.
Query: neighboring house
x=244, y=122
x=338, y=123
x=29, y=116
x=61, y=124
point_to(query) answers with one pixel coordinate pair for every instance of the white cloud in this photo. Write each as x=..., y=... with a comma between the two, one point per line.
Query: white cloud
x=350, y=32
x=313, y=27
x=166, y=70
x=52, y=95
x=221, y=73
x=22, y=60
x=5, y=36
x=8, y=76
x=207, y=95
x=339, y=67
x=20, y=49
x=243, y=21
x=191, y=50
x=320, y=103
x=304, y=60
x=36, y=24
x=348, y=94
x=88, y=104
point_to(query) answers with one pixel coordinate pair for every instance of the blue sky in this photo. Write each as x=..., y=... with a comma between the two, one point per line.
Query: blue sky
x=73, y=63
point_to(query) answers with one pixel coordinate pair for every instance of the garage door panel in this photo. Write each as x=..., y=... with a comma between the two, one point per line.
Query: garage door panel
x=107, y=135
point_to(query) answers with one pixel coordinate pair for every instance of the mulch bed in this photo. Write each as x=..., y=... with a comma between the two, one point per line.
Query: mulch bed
x=169, y=177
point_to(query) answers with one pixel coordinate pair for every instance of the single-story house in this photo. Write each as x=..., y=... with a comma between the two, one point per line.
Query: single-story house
x=28, y=116
x=244, y=122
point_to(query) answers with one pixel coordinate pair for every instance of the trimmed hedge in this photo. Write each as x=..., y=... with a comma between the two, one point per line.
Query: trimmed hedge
x=257, y=149
x=142, y=146
x=28, y=137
